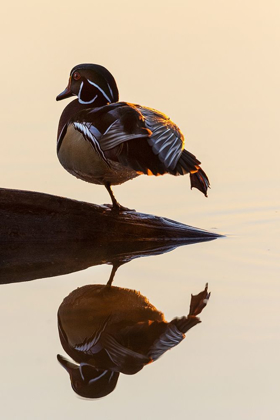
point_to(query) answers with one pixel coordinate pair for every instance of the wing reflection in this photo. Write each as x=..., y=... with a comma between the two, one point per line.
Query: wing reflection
x=110, y=330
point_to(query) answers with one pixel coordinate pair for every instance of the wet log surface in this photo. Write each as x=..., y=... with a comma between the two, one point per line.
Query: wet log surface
x=43, y=235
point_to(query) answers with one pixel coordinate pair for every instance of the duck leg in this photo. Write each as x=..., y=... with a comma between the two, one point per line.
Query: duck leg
x=116, y=205
x=115, y=266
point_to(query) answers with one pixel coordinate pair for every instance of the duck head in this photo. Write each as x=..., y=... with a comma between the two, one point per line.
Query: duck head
x=93, y=84
x=87, y=381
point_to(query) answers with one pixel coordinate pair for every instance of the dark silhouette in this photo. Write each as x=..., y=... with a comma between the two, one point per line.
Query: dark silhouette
x=109, y=330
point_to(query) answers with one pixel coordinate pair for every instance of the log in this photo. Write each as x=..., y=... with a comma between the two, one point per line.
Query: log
x=32, y=216
x=43, y=235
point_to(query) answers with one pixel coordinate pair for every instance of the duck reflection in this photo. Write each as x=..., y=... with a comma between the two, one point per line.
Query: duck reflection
x=110, y=330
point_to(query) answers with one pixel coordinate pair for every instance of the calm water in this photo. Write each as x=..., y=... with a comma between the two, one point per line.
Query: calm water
x=231, y=357
x=224, y=94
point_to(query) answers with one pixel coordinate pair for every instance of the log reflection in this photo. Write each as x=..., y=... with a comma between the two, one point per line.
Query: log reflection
x=44, y=236
x=109, y=330
x=30, y=260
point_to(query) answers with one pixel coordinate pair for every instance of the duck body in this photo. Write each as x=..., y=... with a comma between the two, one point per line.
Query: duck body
x=103, y=141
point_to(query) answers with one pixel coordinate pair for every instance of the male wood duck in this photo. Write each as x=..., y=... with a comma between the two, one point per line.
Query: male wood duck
x=109, y=330
x=103, y=141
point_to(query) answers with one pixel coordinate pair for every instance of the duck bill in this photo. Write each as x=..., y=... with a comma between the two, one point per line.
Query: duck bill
x=69, y=366
x=66, y=93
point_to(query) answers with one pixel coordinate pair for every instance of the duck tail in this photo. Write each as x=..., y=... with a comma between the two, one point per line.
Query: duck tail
x=200, y=181
x=189, y=164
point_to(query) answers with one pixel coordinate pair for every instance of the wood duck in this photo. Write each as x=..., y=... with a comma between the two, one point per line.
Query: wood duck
x=108, y=330
x=103, y=141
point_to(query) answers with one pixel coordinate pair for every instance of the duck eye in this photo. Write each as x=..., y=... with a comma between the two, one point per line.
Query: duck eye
x=76, y=75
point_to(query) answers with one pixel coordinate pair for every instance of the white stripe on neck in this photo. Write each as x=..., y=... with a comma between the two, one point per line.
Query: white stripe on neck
x=102, y=91
x=79, y=96
x=110, y=90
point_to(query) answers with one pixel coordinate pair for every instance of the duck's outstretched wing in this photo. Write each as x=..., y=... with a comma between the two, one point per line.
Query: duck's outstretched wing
x=166, y=139
x=150, y=142
x=167, y=143
x=170, y=338
x=142, y=139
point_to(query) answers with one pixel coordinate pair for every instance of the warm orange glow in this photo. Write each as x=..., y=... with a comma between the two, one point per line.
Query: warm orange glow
x=149, y=173
x=197, y=169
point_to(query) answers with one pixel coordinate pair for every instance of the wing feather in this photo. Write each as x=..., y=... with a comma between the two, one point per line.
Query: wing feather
x=115, y=135
x=166, y=139
x=91, y=134
x=171, y=337
x=88, y=344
